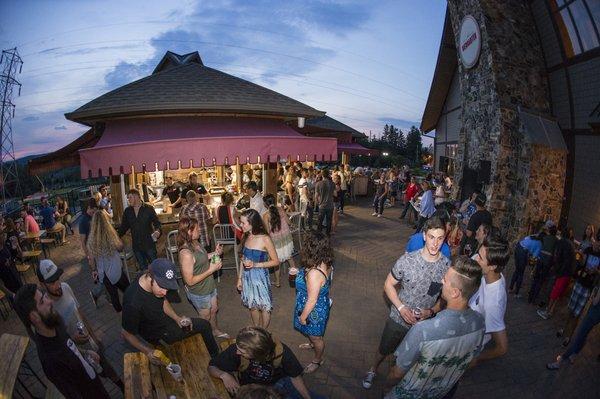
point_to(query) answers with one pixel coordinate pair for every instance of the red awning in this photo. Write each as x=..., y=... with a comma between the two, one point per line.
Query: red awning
x=186, y=142
x=355, y=148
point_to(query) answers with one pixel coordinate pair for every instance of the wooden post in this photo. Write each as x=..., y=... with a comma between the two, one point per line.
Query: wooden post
x=344, y=158
x=116, y=198
x=270, y=179
x=238, y=177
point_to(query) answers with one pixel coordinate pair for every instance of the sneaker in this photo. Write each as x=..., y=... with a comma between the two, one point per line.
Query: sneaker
x=374, y=214
x=517, y=296
x=378, y=215
x=94, y=299
x=544, y=314
x=367, y=382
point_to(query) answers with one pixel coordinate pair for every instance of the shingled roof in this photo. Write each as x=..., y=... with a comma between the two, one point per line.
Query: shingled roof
x=183, y=85
x=326, y=123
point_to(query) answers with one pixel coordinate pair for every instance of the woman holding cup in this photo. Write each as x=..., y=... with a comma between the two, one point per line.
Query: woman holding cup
x=259, y=255
x=197, y=269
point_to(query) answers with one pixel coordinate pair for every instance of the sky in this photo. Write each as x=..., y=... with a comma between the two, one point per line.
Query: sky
x=365, y=63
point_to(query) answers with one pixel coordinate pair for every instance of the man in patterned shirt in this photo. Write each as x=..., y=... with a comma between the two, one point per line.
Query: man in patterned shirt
x=197, y=210
x=418, y=275
x=435, y=353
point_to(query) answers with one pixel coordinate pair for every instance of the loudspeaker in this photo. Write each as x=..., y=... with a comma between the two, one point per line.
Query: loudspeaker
x=444, y=161
x=469, y=183
x=484, y=172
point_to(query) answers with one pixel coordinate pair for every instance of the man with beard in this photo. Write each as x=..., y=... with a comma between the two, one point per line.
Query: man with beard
x=418, y=274
x=67, y=307
x=64, y=364
x=435, y=353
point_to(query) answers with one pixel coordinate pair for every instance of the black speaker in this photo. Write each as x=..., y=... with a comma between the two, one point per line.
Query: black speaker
x=444, y=164
x=484, y=172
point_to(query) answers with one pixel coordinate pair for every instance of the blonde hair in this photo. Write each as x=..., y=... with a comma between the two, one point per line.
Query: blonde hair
x=103, y=239
x=97, y=197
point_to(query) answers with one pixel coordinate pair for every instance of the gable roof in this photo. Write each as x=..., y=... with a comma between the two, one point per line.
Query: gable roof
x=183, y=85
x=328, y=124
x=445, y=68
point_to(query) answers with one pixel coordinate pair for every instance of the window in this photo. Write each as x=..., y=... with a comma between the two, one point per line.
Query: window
x=578, y=22
x=451, y=150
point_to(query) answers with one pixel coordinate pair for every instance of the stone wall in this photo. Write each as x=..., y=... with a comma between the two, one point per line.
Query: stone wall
x=510, y=73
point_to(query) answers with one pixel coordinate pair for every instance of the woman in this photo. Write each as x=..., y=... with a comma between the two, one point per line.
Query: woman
x=290, y=189
x=381, y=191
x=29, y=223
x=278, y=226
x=440, y=194
x=227, y=214
x=197, y=269
x=103, y=246
x=64, y=217
x=411, y=191
x=394, y=183
x=454, y=236
x=12, y=239
x=337, y=198
x=259, y=255
x=312, y=294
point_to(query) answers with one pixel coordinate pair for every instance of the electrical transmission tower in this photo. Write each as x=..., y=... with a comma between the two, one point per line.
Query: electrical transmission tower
x=10, y=65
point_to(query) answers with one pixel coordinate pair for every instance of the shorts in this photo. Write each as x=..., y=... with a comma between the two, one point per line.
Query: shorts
x=201, y=301
x=560, y=287
x=392, y=336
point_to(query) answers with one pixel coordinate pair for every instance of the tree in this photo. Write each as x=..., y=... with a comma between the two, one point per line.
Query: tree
x=401, y=143
x=413, y=144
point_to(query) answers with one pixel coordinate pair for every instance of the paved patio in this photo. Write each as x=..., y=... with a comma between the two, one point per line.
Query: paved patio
x=366, y=248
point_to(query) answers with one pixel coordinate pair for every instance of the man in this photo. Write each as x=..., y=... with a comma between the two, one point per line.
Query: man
x=257, y=357
x=305, y=187
x=67, y=367
x=490, y=298
x=324, y=200
x=84, y=232
x=545, y=262
x=145, y=228
x=197, y=210
x=192, y=185
x=50, y=214
x=427, y=205
x=67, y=306
x=172, y=191
x=256, y=199
x=418, y=275
x=435, y=353
x=105, y=203
x=480, y=217
x=148, y=314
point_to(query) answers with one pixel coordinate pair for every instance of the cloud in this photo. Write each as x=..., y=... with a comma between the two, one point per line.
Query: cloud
x=402, y=123
x=252, y=35
x=30, y=119
x=61, y=127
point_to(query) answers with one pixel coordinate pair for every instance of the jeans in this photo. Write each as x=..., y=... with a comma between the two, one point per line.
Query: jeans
x=199, y=326
x=407, y=206
x=144, y=257
x=285, y=387
x=378, y=204
x=520, y=266
x=421, y=223
x=112, y=290
x=327, y=215
x=342, y=196
x=542, y=269
x=306, y=209
x=587, y=324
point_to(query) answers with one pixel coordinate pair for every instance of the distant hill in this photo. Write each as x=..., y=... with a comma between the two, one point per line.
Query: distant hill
x=24, y=160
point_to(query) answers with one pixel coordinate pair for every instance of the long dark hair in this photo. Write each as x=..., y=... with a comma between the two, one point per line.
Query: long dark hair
x=184, y=238
x=274, y=219
x=316, y=250
x=255, y=221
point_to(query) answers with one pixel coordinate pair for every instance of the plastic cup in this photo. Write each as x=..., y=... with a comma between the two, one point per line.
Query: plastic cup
x=175, y=371
x=292, y=273
x=186, y=324
x=417, y=312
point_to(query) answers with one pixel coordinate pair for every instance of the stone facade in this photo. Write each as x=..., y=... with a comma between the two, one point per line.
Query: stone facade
x=527, y=181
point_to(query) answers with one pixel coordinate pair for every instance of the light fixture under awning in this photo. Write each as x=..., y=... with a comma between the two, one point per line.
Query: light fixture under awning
x=542, y=130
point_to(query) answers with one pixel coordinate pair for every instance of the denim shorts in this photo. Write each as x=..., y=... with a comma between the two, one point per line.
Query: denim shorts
x=201, y=301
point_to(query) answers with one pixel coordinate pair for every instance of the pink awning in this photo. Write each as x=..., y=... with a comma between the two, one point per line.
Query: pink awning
x=355, y=148
x=186, y=142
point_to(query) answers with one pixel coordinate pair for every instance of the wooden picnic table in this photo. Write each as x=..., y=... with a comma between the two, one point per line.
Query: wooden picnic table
x=35, y=236
x=148, y=381
x=12, y=353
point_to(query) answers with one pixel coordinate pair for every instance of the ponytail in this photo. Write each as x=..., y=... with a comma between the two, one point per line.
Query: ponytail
x=274, y=218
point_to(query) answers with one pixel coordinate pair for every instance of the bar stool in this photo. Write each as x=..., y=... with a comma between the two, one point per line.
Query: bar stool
x=46, y=244
x=126, y=255
x=24, y=268
x=224, y=234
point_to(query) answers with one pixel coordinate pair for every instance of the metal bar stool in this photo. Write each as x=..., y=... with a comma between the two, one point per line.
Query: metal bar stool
x=224, y=234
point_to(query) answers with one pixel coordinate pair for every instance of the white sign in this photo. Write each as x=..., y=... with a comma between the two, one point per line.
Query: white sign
x=469, y=41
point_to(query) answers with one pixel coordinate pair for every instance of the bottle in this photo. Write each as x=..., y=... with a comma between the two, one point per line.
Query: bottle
x=163, y=358
x=97, y=367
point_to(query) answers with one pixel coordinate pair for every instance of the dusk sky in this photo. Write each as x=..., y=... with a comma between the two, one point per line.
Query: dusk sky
x=365, y=63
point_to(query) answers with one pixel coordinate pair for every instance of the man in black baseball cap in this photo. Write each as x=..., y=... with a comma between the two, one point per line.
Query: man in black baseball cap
x=147, y=313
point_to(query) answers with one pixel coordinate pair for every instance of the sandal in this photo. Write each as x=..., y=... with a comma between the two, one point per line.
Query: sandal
x=306, y=345
x=312, y=366
x=223, y=335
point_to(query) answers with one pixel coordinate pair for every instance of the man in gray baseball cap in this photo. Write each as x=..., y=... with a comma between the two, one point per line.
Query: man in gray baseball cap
x=148, y=314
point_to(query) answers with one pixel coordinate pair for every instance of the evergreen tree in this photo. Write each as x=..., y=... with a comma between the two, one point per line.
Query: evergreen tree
x=401, y=143
x=413, y=144
x=386, y=133
x=393, y=138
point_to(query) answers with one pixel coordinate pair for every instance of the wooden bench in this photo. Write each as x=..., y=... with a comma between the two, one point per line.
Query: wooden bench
x=145, y=380
x=12, y=351
x=53, y=393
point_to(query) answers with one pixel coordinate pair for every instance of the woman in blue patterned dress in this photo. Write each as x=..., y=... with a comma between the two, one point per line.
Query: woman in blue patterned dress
x=258, y=256
x=312, y=294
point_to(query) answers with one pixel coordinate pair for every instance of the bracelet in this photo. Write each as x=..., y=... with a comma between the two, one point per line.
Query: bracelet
x=400, y=308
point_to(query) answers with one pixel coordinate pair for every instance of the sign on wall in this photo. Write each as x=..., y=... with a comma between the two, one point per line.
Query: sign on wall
x=469, y=41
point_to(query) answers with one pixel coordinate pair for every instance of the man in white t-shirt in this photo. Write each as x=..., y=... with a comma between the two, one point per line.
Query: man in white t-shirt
x=256, y=199
x=305, y=188
x=490, y=298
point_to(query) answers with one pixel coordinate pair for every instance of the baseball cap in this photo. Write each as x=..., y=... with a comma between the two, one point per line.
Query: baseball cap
x=48, y=272
x=163, y=271
x=549, y=223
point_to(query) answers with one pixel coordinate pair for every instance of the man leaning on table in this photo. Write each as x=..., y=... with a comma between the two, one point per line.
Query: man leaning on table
x=148, y=314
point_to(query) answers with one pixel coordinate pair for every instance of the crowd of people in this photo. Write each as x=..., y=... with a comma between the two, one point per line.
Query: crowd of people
x=447, y=291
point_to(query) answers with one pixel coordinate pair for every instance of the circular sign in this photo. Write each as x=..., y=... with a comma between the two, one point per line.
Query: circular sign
x=469, y=41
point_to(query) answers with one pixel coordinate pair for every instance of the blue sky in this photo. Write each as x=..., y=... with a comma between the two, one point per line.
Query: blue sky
x=365, y=63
